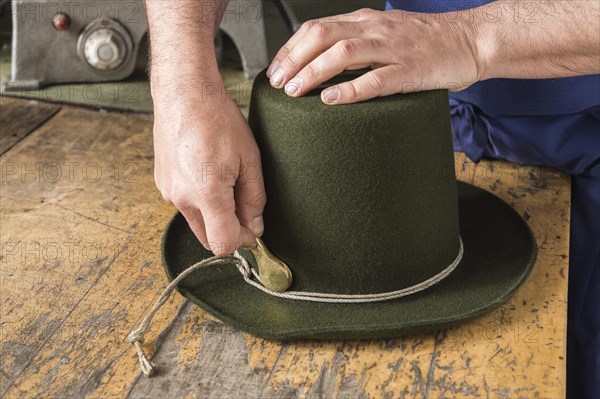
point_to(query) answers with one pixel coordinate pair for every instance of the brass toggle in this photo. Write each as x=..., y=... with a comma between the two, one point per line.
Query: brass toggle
x=274, y=274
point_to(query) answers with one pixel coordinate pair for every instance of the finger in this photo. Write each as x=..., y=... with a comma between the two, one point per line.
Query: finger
x=224, y=232
x=300, y=34
x=289, y=45
x=344, y=54
x=250, y=197
x=378, y=82
x=196, y=223
x=320, y=37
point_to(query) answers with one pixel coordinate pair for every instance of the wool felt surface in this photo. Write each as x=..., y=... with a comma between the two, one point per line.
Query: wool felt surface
x=362, y=199
x=357, y=184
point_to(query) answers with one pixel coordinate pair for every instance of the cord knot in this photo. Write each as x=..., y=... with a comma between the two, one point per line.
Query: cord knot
x=136, y=336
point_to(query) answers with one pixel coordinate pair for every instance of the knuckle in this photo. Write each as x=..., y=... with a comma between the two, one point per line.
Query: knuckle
x=376, y=81
x=363, y=12
x=214, y=206
x=375, y=44
x=179, y=200
x=351, y=91
x=308, y=24
x=211, y=185
x=177, y=197
x=311, y=71
x=257, y=200
x=283, y=52
x=291, y=60
x=385, y=25
x=321, y=31
x=251, y=172
x=347, y=48
x=226, y=242
x=381, y=29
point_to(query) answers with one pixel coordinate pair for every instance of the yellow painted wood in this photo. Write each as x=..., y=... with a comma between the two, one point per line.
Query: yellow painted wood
x=80, y=266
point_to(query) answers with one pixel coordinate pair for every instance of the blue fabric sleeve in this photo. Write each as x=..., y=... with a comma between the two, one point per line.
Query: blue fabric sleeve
x=513, y=96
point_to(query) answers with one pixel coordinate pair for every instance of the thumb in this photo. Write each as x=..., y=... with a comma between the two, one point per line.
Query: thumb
x=223, y=229
x=250, y=197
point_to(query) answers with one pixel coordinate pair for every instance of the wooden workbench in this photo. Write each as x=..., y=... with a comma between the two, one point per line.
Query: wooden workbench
x=81, y=224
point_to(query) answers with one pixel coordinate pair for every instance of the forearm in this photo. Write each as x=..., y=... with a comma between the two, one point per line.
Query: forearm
x=538, y=39
x=182, y=57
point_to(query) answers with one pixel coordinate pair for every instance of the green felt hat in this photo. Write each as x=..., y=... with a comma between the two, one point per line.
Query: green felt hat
x=362, y=200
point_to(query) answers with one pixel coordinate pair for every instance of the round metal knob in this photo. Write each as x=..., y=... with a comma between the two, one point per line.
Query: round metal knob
x=104, y=49
x=105, y=45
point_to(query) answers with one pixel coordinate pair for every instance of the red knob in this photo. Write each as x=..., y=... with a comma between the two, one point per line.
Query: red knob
x=61, y=21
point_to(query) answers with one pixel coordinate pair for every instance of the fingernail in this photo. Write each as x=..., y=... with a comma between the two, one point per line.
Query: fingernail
x=330, y=95
x=293, y=86
x=277, y=77
x=274, y=65
x=258, y=226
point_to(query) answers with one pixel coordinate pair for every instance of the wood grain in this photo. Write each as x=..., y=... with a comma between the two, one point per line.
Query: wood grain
x=18, y=118
x=80, y=266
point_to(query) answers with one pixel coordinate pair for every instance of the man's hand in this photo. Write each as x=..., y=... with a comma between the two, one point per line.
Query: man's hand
x=208, y=165
x=206, y=160
x=402, y=49
x=412, y=51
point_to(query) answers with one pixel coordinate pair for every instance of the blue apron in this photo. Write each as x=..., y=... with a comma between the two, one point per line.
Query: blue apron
x=544, y=122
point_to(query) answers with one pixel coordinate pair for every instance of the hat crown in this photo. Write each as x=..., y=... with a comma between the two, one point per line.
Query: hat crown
x=361, y=198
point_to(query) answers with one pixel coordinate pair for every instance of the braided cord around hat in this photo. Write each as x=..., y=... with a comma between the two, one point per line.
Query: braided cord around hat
x=136, y=337
x=248, y=272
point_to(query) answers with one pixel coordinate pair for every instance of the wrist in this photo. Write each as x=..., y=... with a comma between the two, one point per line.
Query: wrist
x=178, y=68
x=483, y=34
x=179, y=88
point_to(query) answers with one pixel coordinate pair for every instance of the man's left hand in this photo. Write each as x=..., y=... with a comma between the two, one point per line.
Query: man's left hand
x=406, y=51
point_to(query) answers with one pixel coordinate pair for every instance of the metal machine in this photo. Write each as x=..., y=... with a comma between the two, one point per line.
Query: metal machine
x=96, y=41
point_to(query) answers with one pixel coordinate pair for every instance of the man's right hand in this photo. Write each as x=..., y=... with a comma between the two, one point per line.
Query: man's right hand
x=208, y=165
x=206, y=160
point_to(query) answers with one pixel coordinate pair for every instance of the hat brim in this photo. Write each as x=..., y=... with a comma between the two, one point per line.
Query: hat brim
x=499, y=253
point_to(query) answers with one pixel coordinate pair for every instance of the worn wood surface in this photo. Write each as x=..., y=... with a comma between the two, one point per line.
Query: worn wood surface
x=18, y=118
x=80, y=230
